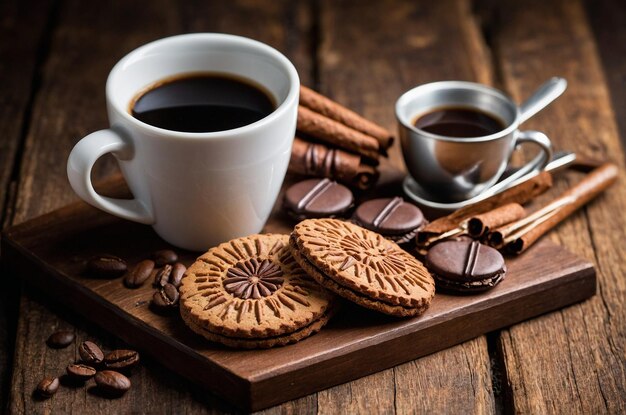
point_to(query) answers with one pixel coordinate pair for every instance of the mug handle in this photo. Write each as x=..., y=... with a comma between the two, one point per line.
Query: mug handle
x=540, y=161
x=81, y=161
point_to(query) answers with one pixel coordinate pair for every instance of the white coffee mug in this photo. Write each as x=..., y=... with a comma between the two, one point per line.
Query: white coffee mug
x=196, y=189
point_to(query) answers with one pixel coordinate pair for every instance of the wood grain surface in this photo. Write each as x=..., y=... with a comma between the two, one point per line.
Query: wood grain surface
x=608, y=23
x=20, y=81
x=362, y=55
x=579, y=368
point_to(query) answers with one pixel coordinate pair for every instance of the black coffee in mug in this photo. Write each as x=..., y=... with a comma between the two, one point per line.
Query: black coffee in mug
x=461, y=122
x=202, y=103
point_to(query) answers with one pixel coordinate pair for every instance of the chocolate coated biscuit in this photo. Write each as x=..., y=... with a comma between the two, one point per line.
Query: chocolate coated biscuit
x=465, y=266
x=317, y=198
x=393, y=218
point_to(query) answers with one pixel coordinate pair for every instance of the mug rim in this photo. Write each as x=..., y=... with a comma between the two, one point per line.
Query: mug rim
x=414, y=93
x=282, y=107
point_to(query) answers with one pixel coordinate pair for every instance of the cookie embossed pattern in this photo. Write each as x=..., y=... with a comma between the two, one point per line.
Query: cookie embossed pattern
x=254, y=279
x=362, y=266
x=251, y=293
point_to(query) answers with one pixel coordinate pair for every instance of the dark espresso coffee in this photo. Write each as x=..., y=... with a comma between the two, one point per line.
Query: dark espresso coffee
x=202, y=103
x=459, y=122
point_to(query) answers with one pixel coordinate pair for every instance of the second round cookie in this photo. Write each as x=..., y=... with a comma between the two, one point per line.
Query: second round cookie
x=362, y=266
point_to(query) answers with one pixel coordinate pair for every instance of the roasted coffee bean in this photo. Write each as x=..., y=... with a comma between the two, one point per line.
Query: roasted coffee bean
x=121, y=359
x=111, y=382
x=90, y=353
x=106, y=266
x=176, y=276
x=163, y=276
x=138, y=274
x=48, y=387
x=80, y=372
x=165, y=256
x=60, y=339
x=166, y=297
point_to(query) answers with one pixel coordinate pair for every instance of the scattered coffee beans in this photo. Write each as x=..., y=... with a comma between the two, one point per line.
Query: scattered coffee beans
x=163, y=276
x=176, y=276
x=90, y=353
x=79, y=371
x=139, y=274
x=111, y=382
x=166, y=298
x=121, y=359
x=106, y=266
x=48, y=387
x=60, y=339
x=165, y=257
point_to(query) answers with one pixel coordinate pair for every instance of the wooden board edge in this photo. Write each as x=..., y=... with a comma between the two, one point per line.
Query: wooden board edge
x=580, y=285
x=20, y=262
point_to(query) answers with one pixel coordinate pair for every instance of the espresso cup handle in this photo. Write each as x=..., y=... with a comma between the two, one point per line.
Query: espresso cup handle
x=81, y=161
x=542, y=159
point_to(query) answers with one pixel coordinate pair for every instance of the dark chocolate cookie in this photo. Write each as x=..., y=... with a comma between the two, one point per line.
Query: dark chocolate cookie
x=393, y=218
x=465, y=266
x=318, y=198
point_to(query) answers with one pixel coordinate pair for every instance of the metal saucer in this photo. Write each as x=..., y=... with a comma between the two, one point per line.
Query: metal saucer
x=418, y=195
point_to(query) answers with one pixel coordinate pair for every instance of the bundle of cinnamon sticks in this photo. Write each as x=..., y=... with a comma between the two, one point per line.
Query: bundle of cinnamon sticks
x=335, y=142
x=517, y=236
x=478, y=219
x=502, y=222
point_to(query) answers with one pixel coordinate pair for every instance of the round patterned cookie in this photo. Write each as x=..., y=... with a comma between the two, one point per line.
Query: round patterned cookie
x=362, y=266
x=250, y=292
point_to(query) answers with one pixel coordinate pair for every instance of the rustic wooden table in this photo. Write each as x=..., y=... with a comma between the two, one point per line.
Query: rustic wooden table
x=54, y=59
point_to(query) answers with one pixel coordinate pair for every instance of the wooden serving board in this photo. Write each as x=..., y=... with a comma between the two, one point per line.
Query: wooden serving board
x=49, y=252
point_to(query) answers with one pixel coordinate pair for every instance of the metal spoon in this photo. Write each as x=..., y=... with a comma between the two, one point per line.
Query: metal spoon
x=543, y=96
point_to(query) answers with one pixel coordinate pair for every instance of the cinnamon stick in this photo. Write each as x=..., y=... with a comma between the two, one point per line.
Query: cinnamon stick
x=522, y=193
x=474, y=227
x=571, y=200
x=495, y=238
x=335, y=133
x=345, y=116
x=318, y=160
x=479, y=225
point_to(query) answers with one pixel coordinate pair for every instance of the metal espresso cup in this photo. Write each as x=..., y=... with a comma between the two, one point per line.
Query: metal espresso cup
x=453, y=169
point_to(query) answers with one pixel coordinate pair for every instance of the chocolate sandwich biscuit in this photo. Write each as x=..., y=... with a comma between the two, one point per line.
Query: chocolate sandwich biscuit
x=362, y=266
x=393, y=218
x=465, y=267
x=251, y=293
x=318, y=198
